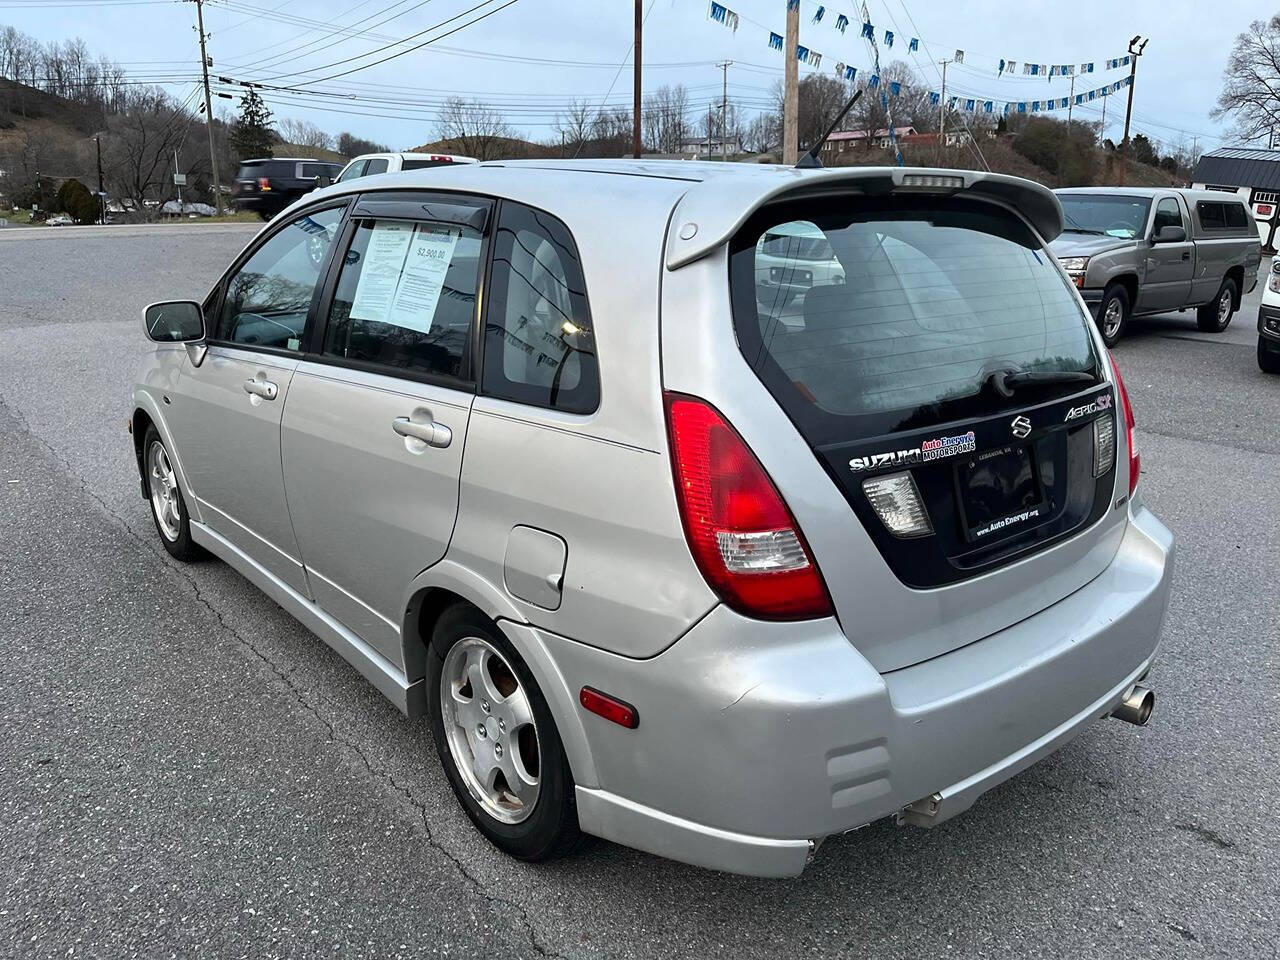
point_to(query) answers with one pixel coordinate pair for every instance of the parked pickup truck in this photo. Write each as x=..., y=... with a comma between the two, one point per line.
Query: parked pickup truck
x=1135, y=251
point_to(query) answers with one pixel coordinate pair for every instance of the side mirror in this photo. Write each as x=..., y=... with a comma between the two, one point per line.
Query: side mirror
x=323, y=181
x=174, y=321
x=1170, y=235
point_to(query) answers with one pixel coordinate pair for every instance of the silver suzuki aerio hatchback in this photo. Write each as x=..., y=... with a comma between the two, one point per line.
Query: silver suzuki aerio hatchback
x=713, y=509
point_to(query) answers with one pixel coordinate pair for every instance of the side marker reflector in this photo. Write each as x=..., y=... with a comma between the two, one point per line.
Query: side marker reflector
x=611, y=708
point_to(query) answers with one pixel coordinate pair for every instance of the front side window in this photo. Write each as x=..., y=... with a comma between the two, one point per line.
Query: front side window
x=406, y=297
x=268, y=298
x=1167, y=215
x=871, y=317
x=539, y=344
x=353, y=171
x=1107, y=215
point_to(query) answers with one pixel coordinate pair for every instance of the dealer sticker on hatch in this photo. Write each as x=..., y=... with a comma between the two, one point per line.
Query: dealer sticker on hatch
x=939, y=448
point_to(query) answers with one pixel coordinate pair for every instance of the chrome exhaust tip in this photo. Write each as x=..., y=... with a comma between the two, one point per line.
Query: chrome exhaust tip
x=1136, y=706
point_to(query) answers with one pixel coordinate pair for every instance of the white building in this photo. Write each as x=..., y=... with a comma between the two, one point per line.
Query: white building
x=1252, y=174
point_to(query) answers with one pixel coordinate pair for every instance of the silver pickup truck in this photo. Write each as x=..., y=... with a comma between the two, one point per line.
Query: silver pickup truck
x=1135, y=251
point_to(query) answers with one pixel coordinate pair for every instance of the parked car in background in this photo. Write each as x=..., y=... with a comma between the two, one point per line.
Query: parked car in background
x=1135, y=251
x=532, y=448
x=1269, y=321
x=267, y=186
x=372, y=164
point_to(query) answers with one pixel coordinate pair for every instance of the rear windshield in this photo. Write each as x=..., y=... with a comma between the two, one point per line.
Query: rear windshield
x=893, y=315
x=267, y=168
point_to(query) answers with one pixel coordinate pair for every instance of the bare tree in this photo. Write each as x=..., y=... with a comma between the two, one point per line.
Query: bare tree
x=665, y=118
x=573, y=125
x=763, y=133
x=1251, y=82
x=303, y=133
x=475, y=129
x=138, y=150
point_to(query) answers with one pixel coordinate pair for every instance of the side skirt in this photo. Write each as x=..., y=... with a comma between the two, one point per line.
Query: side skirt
x=409, y=698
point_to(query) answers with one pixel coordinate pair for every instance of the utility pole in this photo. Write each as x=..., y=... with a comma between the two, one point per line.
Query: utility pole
x=724, y=109
x=942, y=112
x=1071, y=99
x=1135, y=51
x=635, y=108
x=208, y=106
x=176, y=184
x=102, y=192
x=1103, y=133
x=791, y=87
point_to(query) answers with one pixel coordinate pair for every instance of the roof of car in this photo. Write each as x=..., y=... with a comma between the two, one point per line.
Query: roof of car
x=711, y=199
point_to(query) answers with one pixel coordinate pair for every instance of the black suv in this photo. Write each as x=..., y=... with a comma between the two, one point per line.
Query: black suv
x=268, y=186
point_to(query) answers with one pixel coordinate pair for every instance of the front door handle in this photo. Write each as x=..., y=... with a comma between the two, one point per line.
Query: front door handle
x=1186, y=254
x=261, y=388
x=429, y=432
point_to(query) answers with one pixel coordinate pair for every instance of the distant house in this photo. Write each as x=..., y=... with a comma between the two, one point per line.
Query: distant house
x=843, y=140
x=1252, y=174
x=710, y=147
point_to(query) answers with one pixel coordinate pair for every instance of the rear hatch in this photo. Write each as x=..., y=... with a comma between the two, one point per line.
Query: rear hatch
x=255, y=175
x=941, y=369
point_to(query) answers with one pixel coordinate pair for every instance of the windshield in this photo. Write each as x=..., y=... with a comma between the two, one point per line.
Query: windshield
x=1111, y=216
x=915, y=305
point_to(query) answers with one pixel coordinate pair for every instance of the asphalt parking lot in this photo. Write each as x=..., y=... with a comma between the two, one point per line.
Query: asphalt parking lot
x=184, y=770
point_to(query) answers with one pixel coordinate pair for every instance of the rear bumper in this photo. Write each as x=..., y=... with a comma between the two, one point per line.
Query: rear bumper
x=757, y=740
x=261, y=203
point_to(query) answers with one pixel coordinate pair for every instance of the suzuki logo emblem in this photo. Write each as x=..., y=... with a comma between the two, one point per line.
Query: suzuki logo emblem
x=1021, y=427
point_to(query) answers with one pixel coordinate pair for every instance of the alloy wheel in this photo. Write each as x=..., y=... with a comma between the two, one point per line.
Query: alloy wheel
x=490, y=729
x=1112, y=318
x=1224, y=306
x=164, y=491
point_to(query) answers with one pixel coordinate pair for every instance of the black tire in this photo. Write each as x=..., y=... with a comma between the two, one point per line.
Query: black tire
x=1208, y=317
x=551, y=830
x=1268, y=356
x=1115, y=297
x=174, y=537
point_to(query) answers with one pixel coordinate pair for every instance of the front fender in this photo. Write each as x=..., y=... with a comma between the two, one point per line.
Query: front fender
x=145, y=400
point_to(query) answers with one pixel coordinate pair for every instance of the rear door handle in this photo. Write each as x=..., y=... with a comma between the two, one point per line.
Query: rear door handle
x=1186, y=254
x=429, y=432
x=261, y=388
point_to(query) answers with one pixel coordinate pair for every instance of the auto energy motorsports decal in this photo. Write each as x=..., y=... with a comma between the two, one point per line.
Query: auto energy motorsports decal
x=937, y=448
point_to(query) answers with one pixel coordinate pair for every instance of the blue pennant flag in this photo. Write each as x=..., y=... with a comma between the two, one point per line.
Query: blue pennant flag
x=1092, y=94
x=1053, y=70
x=1124, y=61
x=818, y=16
x=969, y=105
x=988, y=106
x=775, y=41
x=1000, y=72
x=793, y=4
x=888, y=38
x=914, y=45
x=802, y=54
x=722, y=14
x=850, y=72
x=873, y=81
x=1051, y=105
x=842, y=22
x=934, y=97
x=951, y=102
x=869, y=32
x=895, y=87
x=1086, y=68
x=1022, y=106
x=1063, y=103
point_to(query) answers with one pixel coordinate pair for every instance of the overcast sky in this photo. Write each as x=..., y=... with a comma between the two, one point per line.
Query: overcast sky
x=531, y=57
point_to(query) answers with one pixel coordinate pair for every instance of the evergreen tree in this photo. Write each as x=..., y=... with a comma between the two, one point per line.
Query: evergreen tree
x=251, y=135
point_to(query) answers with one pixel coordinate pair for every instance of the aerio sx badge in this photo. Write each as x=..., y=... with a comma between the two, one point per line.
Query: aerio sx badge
x=1102, y=402
x=938, y=448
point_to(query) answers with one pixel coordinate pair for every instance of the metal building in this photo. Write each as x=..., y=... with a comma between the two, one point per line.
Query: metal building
x=1253, y=174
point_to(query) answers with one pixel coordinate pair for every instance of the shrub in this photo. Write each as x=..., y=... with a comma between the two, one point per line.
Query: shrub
x=75, y=200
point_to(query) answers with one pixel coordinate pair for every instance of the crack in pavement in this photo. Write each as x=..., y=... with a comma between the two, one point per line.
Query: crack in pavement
x=285, y=678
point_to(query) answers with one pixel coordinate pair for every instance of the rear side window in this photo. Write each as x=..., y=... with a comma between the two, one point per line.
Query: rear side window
x=423, y=164
x=1237, y=216
x=376, y=165
x=406, y=296
x=539, y=345
x=886, y=316
x=312, y=170
x=277, y=169
x=1212, y=215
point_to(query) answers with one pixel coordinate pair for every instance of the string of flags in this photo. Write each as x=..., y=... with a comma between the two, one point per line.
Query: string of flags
x=722, y=14
x=1030, y=106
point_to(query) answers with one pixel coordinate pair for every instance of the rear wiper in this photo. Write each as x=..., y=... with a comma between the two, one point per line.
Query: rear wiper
x=1006, y=381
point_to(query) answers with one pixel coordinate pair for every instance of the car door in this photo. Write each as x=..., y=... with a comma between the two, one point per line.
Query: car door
x=1170, y=266
x=227, y=409
x=375, y=424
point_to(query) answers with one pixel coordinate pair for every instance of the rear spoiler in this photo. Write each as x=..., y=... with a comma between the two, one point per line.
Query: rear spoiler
x=713, y=210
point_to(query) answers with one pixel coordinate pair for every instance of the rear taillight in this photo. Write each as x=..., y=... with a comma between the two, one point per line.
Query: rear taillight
x=740, y=532
x=264, y=183
x=1135, y=462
